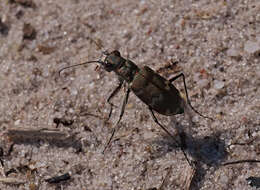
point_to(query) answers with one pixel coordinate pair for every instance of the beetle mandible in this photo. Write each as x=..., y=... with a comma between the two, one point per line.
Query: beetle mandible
x=158, y=93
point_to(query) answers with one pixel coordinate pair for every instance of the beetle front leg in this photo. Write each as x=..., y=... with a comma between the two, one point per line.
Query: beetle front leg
x=187, y=96
x=115, y=91
x=177, y=143
x=120, y=117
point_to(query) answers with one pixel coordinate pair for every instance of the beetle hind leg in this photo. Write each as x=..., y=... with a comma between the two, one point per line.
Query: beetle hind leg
x=187, y=96
x=175, y=141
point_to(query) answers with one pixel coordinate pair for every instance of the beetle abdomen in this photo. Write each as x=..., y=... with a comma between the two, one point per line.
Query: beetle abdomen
x=157, y=92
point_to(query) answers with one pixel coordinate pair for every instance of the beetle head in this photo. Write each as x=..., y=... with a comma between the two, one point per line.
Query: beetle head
x=112, y=60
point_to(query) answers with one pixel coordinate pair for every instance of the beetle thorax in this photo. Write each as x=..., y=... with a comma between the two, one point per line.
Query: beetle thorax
x=127, y=71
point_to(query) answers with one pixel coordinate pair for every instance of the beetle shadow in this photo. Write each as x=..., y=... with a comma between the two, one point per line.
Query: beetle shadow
x=208, y=150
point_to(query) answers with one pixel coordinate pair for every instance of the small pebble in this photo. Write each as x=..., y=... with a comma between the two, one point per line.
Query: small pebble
x=17, y=122
x=258, y=39
x=252, y=47
x=218, y=84
x=232, y=52
x=203, y=83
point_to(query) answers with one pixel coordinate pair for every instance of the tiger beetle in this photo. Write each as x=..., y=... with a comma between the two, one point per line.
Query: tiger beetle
x=158, y=93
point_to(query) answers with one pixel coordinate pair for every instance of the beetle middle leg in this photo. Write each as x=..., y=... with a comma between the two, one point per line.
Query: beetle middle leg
x=187, y=96
x=120, y=117
x=115, y=91
x=175, y=141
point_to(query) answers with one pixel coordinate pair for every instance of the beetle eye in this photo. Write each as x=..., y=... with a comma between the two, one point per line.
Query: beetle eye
x=109, y=64
x=116, y=53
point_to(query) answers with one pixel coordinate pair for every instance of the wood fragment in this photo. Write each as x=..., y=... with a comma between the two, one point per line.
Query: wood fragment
x=58, y=179
x=40, y=134
x=12, y=181
x=240, y=161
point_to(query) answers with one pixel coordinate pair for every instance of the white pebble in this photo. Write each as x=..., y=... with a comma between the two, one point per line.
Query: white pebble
x=258, y=39
x=203, y=83
x=252, y=47
x=218, y=84
x=232, y=52
x=17, y=122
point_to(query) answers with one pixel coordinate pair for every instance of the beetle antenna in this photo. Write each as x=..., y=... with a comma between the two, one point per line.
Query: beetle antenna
x=79, y=65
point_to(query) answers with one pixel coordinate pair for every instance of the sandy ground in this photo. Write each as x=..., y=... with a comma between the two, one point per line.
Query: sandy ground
x=215, y=43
